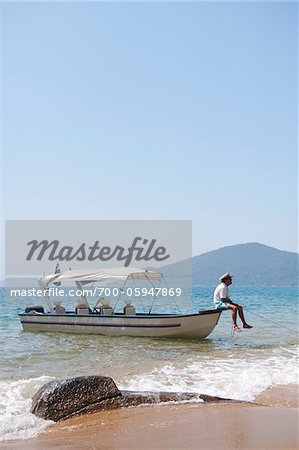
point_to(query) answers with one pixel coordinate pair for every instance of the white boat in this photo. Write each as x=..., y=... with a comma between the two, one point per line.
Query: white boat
x=103, y=319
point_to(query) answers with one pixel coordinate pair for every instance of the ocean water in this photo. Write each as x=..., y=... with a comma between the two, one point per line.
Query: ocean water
x=238, y=366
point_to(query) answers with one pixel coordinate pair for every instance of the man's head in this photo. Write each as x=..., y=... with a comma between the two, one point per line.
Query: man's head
x=226, y=278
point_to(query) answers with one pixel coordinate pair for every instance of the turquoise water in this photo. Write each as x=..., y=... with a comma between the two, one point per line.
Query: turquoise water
x=239, y=365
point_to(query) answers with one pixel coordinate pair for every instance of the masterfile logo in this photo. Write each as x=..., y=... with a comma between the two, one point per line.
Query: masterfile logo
x=34, y=247
x=140, y=250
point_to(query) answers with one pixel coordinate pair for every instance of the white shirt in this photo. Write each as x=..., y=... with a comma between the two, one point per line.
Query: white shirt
x=221, y=291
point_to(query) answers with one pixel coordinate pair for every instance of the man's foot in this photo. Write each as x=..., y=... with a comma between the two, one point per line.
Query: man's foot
x=237, y=329
x=247, y=326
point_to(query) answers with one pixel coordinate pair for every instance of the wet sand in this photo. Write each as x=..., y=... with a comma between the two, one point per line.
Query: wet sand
x=280, y=396
x=183, y=426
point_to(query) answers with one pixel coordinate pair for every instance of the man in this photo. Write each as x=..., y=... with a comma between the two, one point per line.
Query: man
x=222, y=300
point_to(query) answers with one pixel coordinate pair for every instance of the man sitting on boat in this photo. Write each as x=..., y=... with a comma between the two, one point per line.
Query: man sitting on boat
x=222, y=300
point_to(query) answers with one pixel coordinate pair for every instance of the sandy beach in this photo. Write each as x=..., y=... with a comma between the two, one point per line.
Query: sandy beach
x=270, y=423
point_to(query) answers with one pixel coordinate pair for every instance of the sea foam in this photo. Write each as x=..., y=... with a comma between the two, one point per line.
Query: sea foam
x=16, y=421
x=242, y=378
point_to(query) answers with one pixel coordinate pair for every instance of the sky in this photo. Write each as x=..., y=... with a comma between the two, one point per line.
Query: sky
x=153, y=111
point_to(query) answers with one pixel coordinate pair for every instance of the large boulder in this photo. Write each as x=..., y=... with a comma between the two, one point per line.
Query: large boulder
x=59, y=399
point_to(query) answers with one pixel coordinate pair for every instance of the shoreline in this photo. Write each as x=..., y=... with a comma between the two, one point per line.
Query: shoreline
x=269, y=423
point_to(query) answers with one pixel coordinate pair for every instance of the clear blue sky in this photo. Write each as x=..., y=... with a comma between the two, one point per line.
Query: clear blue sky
x=154, y=111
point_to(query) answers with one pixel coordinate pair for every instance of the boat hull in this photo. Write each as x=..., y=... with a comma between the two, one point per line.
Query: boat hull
x=198, y=325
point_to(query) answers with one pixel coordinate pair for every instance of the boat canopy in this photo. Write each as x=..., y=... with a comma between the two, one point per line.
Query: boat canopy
x=120, y=274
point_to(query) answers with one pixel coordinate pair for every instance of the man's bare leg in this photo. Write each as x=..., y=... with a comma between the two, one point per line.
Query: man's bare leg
x=234, y=317
x=241, y=314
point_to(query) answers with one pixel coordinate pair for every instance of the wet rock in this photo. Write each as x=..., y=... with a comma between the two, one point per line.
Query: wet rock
x=59, y=399
x=129, y=398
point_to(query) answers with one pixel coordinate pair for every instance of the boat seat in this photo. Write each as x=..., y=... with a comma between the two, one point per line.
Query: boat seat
x=82, y=309
x=106, y=309
x=129, y=310
x=59, y=309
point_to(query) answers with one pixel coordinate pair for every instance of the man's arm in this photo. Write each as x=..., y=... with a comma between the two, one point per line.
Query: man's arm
x=231, y=302
x=227, y=300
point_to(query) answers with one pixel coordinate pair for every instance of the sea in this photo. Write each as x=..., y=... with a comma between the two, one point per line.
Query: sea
x=227, y=364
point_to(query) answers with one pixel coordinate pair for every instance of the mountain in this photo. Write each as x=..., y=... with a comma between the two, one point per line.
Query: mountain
x=251, y=264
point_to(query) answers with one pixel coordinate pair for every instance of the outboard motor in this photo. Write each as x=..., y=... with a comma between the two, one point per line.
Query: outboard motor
x=38, y=309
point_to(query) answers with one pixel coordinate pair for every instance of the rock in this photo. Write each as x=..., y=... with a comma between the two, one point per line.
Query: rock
x=59, y=399
x=162, y=397
x=129, y=398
